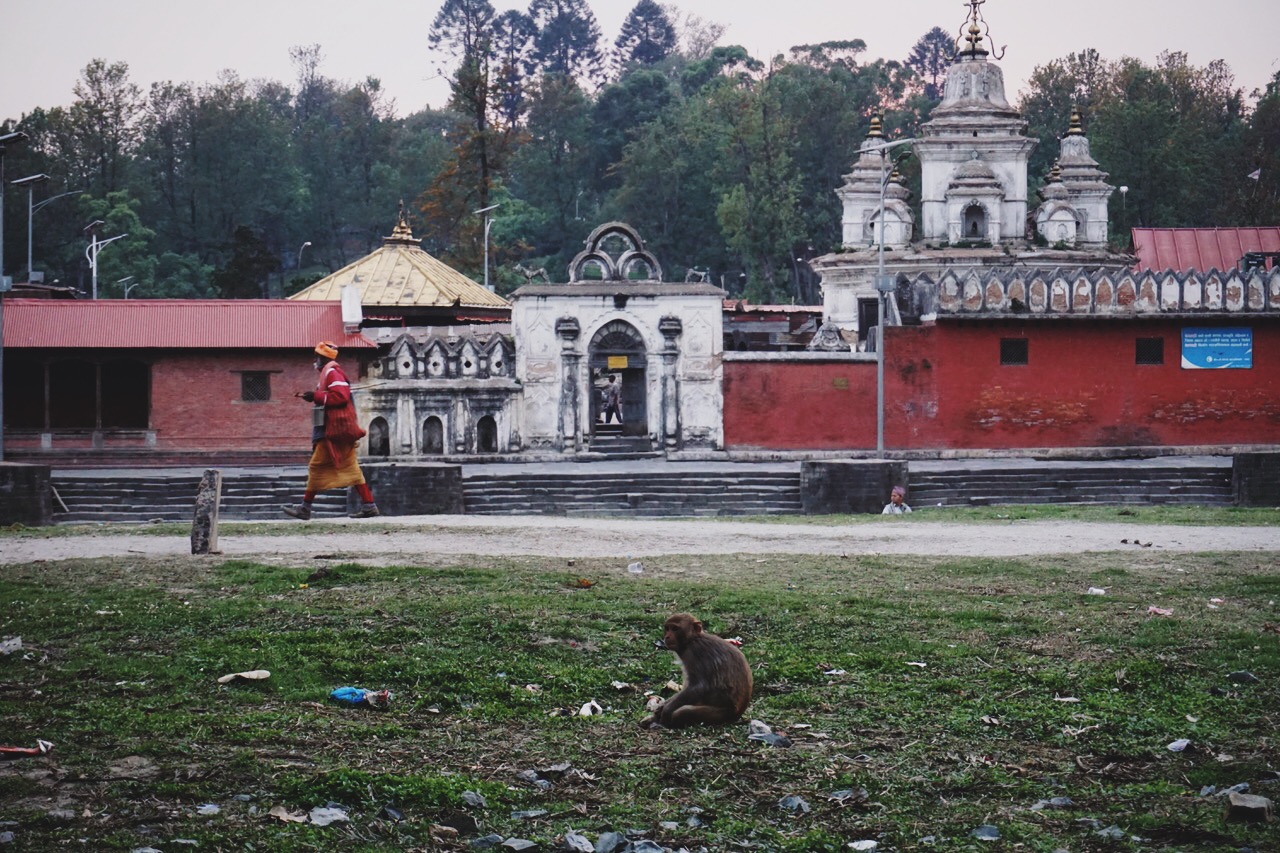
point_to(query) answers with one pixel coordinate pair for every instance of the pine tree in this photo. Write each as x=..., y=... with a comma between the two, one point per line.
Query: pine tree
x=647, y=37
x=568, y=39
x=930, y=58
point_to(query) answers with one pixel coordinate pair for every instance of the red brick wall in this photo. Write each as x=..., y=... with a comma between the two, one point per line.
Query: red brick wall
x=945, y=388
x=196, y=405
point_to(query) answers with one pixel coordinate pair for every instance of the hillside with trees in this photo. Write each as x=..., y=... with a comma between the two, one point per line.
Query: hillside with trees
x=722, y=160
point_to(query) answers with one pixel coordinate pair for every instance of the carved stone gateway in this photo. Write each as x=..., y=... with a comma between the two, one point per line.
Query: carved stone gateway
x=616, y=317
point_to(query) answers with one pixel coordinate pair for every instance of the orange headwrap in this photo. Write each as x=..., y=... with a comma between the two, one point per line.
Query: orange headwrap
x=327, y=349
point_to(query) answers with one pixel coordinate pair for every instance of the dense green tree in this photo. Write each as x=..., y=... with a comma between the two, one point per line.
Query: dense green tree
x=248, y=268
x=125, y=261
x=513, y=35
x=550, y=168
x=647, y=37
x=620, y=110
x=1261, y=150
x=103, y=127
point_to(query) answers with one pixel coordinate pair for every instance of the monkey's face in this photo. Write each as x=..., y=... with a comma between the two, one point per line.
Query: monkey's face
x=679, y=630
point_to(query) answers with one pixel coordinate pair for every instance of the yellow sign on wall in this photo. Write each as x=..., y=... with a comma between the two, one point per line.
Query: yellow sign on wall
x=617, y=362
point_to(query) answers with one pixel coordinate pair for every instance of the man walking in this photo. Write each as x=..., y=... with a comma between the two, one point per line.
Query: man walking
x=334, y=433
x=612, y=400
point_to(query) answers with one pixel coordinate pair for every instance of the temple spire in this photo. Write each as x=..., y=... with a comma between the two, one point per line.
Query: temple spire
x=401, y=233
x=1077, y=123
x=972, y=35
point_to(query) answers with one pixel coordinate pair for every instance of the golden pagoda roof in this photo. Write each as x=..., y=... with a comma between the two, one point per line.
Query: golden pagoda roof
x=401, y=273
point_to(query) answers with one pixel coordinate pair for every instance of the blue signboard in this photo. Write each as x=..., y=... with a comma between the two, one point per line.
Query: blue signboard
x=1217, y=348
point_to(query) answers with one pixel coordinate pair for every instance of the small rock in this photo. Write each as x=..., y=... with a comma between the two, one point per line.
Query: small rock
x=475, y=800
x=1249, y=808
x=868, y=846
x=1178, y=745
x=528, y=814
x=519, y=844
x=576, y=842
x=669, y=825
x=1112, y=833
x=6, y=837
x=986, y=832
x=636, y=568
x=794, y=804
x=645, y=846
x=208, y=809
x=1242, y=676
x=608, y=842
x=325, y=815
x=849, y=795
x=486, y=842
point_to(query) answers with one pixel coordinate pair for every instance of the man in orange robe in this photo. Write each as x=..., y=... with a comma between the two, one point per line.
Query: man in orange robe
x=334, y=433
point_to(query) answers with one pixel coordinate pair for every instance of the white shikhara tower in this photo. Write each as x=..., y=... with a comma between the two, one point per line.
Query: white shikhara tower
x=974, y=214
x=973, y=154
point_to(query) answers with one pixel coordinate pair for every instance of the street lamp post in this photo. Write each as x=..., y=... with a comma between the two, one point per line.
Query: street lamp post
x=30, y=182
x=488, y=221
x=128, y=287
x=884, y=286
x=300, y=248
x=95, y=246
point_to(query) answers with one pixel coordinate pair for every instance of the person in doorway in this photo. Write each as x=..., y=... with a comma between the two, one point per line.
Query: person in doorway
x=896, y=504
x=613, y=399
x=334, y=433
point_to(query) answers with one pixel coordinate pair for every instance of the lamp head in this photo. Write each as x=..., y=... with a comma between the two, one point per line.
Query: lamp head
x=29, y=180
x=16, y=136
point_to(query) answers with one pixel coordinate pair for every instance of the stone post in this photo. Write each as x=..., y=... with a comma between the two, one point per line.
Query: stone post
x=204, y=526
x=568, y=330
x=670, y=327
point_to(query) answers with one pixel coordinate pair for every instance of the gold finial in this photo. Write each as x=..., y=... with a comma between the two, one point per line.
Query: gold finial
x=877, y=126
x=973, y=32
x=401, y=233
x=1055, y=174
x=1077, y=124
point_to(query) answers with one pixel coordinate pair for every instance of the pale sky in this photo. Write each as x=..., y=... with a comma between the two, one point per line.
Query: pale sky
x=45, y=43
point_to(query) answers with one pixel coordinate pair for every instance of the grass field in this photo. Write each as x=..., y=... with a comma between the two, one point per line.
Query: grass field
x=923, y=698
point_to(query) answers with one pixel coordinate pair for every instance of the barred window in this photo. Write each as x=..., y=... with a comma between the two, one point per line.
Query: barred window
x=1149, y=351
x=1013, y=351
x=255, y=386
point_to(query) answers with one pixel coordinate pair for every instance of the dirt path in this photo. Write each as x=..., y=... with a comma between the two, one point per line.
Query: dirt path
x=409, y=539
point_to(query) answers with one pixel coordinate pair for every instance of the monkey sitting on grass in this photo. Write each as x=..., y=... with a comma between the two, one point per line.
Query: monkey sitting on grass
x=717, y=678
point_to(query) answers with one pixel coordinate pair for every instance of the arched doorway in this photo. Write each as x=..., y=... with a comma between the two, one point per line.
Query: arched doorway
x=975, y=224
x=433, y=436
x=487, y=435
x=379, y=438
x=618, y=350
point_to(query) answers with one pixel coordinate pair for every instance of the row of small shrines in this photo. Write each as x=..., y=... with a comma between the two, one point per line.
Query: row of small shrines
x=1102, y=292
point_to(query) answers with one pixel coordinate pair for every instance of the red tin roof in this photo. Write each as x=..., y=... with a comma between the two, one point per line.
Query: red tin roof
x=1203, y=249
x=175, y=324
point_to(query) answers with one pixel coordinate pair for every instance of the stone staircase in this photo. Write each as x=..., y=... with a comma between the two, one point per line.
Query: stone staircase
x=581, y=491
x=686, y=493
x=88, y=500
x=1093, y=484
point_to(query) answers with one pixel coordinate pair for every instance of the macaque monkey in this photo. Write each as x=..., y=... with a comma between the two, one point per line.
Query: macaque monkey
x=717, y=678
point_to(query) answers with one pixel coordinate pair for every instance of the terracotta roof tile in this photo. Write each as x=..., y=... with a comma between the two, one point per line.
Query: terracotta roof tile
x=1203, y=249
x=174, y=324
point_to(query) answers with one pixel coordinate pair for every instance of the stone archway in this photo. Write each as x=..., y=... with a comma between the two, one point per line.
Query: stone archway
x=973, y=224
x=617, y=349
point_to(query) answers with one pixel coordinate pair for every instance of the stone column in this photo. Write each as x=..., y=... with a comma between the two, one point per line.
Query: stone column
x=568, y=330
x=405, y=426
x=204, y=524
x=670, y=327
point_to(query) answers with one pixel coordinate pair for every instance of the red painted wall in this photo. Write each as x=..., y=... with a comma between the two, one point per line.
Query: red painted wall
x=945, y=388
x=196, y=406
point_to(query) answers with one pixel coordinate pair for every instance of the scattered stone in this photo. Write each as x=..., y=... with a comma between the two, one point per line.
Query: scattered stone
x=6, y=837
x=519, y=844
x=1111, y=833
x=1178, y=745
x=867, y=846
x=669, y=825
x=391, y=813
x=1053, y=803
x=576, y=842
x=528, y=814
x=9, y=645
x=794, y=804
x=486, y=842
x=208, y=809
x=608, y=842
x=1242, y=676
x=1249, y=808
x=531, y=777
x=475, y=800
x=849, y=796
x=986, y=832
x=645, y=846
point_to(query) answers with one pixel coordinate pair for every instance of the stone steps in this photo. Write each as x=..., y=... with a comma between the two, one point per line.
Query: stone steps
x=582, y=491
